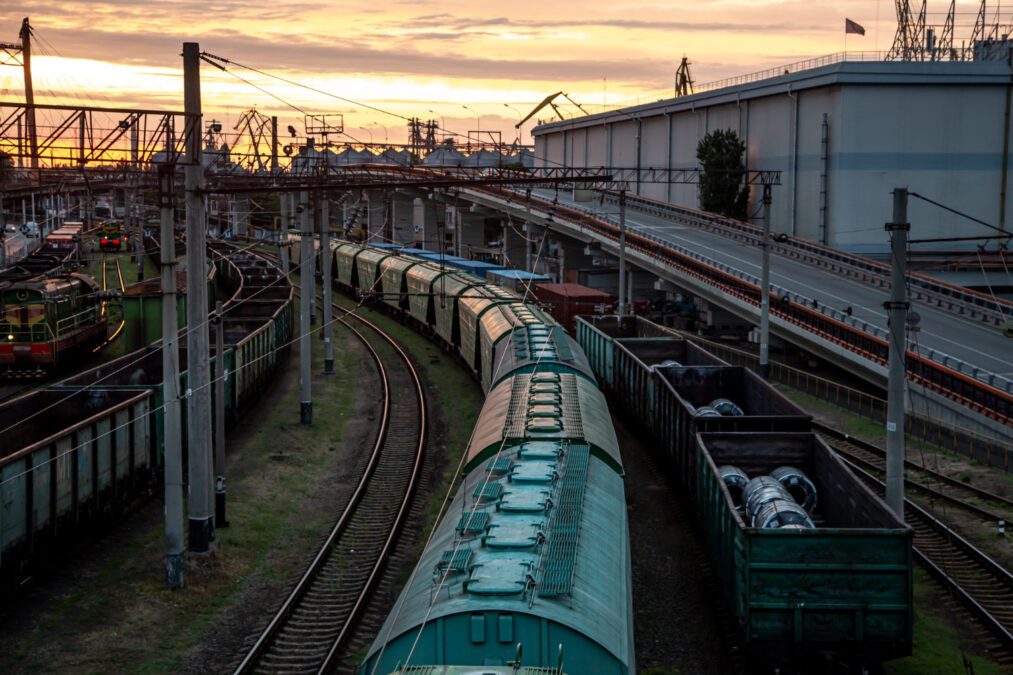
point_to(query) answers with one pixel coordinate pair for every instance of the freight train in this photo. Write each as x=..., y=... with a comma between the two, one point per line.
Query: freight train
x=82, y=449
x=835, y=593
x=530, y=566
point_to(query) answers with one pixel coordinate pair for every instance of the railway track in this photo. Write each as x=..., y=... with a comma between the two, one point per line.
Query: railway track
x=316, y=621
x=936, y=485
x=982, y=585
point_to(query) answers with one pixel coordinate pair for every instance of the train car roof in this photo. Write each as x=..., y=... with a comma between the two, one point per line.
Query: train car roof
x=512, y=414
x=485, y=557
x=540, y=347
x=56, y=284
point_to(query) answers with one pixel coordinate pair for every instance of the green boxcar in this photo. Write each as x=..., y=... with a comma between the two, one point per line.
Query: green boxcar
x=498, y=324
x=420, y=279
x=540, y=348
x=393, y=271
x=95, y=450
x=841, y=588
x=471, y=310
x=367, y=265
x=447, y=292
x=344, y=263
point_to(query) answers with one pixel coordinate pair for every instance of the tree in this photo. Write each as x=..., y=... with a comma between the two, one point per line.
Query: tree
x=721, y=190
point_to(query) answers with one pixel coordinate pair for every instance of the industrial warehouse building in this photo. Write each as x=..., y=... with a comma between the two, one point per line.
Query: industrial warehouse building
x=843, y=135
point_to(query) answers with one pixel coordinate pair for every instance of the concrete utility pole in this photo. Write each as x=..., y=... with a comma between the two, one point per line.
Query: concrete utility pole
x=765, y=288
x=325, y=272
x=283, y=200
x=897, y=308
x=274, y=144
x=306, y=288
x=527, y=230
x=134, y=208
x=221, y=373
x=198, y=409
x=26, y=62
x=622, y=252
x=170, y=386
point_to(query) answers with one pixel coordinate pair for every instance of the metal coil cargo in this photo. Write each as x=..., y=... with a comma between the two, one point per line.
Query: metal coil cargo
x=798, y=486
x=779, y=513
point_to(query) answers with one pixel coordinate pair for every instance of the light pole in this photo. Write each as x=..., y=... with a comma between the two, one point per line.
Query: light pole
x=478, y=122
x=519, y=131
x=370, y=134
x=384, y=131
x=443, y=123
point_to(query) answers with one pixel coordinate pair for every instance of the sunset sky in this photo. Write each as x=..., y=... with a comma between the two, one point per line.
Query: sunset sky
x=410, y=58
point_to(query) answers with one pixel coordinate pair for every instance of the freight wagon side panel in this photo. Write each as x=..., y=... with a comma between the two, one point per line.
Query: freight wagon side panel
x=344, y=262
x=41, y=487
x=828, y=588
x=420, y=280
x=597, y=347
x=844, y=586
x=13, y=506
x=64, y=473
x=123, y=435
x=85, y=442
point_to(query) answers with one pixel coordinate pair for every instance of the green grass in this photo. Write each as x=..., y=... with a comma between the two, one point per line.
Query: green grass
x=456, y=395
x=939, y=646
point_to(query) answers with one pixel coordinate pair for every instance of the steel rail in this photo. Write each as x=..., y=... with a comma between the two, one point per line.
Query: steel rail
x=291, y=603
x=835, y=437
x=929, y=527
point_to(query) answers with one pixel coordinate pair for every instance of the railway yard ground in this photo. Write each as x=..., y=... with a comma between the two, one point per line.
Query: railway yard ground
x=110, y=611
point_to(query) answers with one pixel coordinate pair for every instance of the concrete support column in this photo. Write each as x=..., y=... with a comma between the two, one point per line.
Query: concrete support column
x=199, y=460
x=306, y=292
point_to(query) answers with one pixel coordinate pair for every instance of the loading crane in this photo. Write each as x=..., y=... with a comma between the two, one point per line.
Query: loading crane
x=549, y=101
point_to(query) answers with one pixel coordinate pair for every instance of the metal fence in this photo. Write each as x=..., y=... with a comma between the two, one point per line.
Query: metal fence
x=965, y=442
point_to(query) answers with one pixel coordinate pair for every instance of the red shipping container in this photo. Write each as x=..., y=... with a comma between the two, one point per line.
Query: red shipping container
x=566, y=301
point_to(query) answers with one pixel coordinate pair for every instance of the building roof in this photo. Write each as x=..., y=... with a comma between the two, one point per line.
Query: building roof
x=843, y=73
x=572, y=290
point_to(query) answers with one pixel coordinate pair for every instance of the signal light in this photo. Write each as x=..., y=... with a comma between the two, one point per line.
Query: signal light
x=104, y=241
x=116, y=241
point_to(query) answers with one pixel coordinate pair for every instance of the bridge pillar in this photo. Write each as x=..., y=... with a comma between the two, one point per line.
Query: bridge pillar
x=402, y=216
x=513, y=245
x=471, y=235
x=722, y=322
x=374, y=216
x=425, y=230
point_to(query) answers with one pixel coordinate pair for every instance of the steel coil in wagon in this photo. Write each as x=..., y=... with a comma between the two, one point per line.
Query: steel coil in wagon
x=761, y=490
x=706, y=411
x=726, y=407
x=798, y=486
x=667, y=363
x=735, y=479
x=781, y=513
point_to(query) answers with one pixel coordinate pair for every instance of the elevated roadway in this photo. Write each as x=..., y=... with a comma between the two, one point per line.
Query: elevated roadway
x=976, y=342
x=961, y=371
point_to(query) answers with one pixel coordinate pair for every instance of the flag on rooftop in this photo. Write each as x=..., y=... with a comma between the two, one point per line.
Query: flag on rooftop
x=852, y=27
